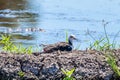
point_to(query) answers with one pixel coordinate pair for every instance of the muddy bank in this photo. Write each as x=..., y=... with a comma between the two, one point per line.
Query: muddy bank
x=90, y=65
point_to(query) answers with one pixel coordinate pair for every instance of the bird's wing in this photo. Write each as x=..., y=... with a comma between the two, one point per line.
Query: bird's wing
x=62, y=44
x=55, y=47
x=50, y=48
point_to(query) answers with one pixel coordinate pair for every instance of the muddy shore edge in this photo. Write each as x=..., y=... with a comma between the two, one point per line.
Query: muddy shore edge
x=89, y=65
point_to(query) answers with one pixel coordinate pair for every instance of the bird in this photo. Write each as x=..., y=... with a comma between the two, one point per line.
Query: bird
x=61, y=46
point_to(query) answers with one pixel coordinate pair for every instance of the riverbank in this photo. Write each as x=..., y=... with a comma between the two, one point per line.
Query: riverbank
x=89, y=65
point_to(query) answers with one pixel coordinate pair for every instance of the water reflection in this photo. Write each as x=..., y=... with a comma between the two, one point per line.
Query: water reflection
x=12, y=4
x=16, y=14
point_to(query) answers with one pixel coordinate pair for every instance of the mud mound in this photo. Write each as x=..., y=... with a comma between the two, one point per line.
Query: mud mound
x=47, y=66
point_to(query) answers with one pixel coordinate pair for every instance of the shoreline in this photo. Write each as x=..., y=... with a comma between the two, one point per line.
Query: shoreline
x=89, y=65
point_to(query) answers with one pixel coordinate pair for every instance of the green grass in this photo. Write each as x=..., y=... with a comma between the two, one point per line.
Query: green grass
x=112, y=62
x=10, y=47
x=66, y=36
x=21, y=49
x=114, y=42
x=103, y=43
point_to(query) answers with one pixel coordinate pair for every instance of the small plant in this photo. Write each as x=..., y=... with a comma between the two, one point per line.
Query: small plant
x=66, y=36
x=68, y=74
x=21, y=74
x=103, y=43
x=9, y=46
x=112, y=62
x=22, y=49
x=114, y=42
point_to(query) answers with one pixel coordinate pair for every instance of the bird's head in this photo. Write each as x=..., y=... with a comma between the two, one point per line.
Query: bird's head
x=71, y=38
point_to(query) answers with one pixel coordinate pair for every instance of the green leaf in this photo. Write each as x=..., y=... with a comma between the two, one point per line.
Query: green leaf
x=68, y=73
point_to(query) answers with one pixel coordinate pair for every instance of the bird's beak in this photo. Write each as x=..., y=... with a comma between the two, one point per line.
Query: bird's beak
x=75, y=38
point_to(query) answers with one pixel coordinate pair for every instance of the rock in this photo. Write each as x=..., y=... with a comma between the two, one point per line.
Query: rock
x=47, y=66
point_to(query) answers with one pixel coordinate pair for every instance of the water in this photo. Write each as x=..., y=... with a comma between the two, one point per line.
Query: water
x=56, y=17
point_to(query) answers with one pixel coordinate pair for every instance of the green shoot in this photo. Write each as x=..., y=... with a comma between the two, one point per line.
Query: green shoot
x=9, y=46
x=21, y=74
x=112, y=62
x=68, y=74
x=114, y=43
x=66, y=36
x=22, y=49
x=104, y=43
x=104, y=25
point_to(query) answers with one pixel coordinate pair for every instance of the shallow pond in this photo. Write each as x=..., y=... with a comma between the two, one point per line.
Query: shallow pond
x=56, y=17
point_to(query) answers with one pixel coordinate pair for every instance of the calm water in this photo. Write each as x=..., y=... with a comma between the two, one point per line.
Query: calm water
x=77, y=17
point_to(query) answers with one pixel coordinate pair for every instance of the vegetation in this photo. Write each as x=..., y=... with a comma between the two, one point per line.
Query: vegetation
x=105, y=46
x=66, y=37
x=21, y=74
x=103, y=43
x=68, y=74
x=9, y=46
x=112, y=62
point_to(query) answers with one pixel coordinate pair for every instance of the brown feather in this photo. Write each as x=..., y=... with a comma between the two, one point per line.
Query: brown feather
x=57, y=46
x=62, y=46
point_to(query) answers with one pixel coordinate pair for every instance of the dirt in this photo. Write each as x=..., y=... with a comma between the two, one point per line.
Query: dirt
x=89, y=65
